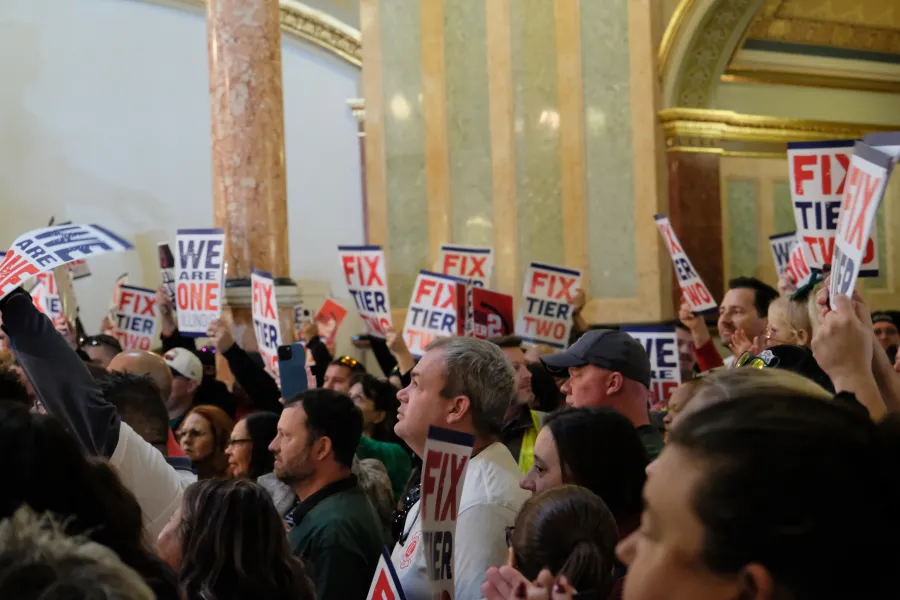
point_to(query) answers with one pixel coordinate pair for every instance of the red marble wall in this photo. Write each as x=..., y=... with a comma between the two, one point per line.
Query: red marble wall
x=695, y=210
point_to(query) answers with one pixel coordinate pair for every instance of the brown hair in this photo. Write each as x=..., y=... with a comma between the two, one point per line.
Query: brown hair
x=569, y=530
x=221, y=425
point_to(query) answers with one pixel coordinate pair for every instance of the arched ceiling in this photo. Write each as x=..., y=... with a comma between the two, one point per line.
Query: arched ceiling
x=853, y=44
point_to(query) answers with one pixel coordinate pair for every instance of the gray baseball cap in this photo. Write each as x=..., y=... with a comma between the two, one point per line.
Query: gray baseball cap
x=605, y=348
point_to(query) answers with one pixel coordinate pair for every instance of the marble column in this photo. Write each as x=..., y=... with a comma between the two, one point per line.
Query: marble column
x=249, y=186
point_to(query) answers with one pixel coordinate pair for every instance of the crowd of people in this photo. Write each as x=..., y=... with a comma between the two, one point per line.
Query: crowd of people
x=768, y=474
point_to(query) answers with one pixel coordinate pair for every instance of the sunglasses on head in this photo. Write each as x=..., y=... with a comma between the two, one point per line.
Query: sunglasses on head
x=348, y=361
x=748, y=359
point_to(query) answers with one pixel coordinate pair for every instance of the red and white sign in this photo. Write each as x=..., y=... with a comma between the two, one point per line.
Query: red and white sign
x=444, y=467
x=818, y=172
x=46, y=298
x=329, y=319
x=781, y=246
x=467, y=262
x=264, y=310
x=436, y=309
x=661, y=345
x=797, y=268
x=79, y=269
x=385, y=584
x=364, y=271
x=692, y=287
x=44, y=249
x=199, y=274
x=545, y=313
x=136, y=318
x=863, y=191
x=491, y=314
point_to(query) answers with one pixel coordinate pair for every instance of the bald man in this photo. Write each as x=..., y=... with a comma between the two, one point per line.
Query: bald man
x=140, y=362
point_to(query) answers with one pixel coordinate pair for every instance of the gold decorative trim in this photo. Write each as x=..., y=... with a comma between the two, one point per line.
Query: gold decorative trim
x=671, y=33
x=821, y=33
x=710, y=128
x=742, y=75
x=315, y=26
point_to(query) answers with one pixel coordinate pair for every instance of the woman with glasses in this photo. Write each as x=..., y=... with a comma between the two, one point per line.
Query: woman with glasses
x=248, y=449
x=567, y=530
x=203, y=435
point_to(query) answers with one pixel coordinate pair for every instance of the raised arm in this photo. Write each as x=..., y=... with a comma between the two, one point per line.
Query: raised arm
x=59, y=377
x=258, y=384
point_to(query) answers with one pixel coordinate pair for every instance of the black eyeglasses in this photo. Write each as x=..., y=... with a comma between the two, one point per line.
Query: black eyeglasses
x=398, y=524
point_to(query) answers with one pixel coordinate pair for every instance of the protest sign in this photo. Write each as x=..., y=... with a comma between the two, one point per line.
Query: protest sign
x=444, y=467
x=45, y=295
x=136, y=318
x=797, y=269
x=44, y=249
x=385, y=584
x=818, y=173
x=467, y=262
x=302, y=316
x=781, y=245
x=661, y=345
x=692, y=287
x=264, y=310
x=198, y=279
x=79, y=269
x=545, y=313
x=364, y=271
x=167, y=269
x=491, y=314
x=109, y=322
x=865, y=185
x=436, y=309
x=329, y=318
x=887, y=142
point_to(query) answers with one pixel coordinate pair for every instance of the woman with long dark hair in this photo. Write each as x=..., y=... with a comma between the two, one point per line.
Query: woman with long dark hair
x=598, y=449
x=248, y=448
x=227, y=542
x=47, y=470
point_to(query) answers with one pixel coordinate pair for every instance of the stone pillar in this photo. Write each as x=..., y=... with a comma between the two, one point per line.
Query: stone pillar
x=249, y=185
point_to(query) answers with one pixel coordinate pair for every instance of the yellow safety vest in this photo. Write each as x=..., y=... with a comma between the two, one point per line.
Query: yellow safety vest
x=526, y=452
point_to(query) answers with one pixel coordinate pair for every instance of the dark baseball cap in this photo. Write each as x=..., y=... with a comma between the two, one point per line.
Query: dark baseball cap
x=605, y=348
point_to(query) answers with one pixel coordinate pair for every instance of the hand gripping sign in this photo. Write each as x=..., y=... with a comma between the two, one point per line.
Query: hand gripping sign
x=167, y=270
x=864, y=188
x=781, y=245
x=661, y=345
x=436, y=309
x=545, y=314
x=364, y=271
x=818, y=173
x=264, y=309
x=136, y=318
x=385, y=584
x=44, y=249
x=444, y=467
x=692, y=287
x=467, y=262
x=199, y=271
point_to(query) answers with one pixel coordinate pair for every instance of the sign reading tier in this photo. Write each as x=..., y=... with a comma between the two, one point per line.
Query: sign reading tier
x=692, y=287
x=364, y=271
x=545, y=312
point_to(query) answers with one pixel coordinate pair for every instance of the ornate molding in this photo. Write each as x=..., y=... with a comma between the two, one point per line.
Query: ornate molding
x=315, y=26
x=733, y=134
x=826, y=33
x=711, y=48
x=672, y=32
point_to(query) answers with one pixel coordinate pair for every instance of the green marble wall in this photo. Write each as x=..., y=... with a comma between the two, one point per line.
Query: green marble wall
x=783, y=208
x=468, y=122
x=536, y=118
x=742, y=234
x=404, y=141
x=612, y=242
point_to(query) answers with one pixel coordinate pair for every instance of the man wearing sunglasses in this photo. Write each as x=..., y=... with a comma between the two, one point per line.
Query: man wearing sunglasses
x=339, y=372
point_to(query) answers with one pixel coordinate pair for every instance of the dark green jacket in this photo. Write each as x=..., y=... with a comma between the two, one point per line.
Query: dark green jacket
x=337, y=532
x=393, y=457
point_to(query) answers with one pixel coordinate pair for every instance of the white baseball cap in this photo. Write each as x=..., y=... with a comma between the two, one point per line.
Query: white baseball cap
x=184, y=363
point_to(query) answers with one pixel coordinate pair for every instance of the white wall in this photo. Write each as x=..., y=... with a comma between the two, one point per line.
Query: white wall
x=104, y=118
